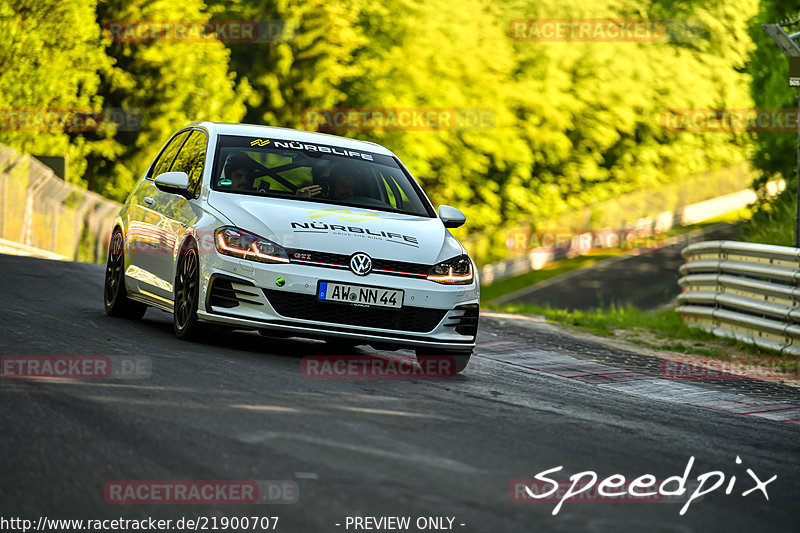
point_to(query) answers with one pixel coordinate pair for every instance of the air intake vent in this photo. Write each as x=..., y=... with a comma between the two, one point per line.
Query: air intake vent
x=465, y=319
x=228, y=292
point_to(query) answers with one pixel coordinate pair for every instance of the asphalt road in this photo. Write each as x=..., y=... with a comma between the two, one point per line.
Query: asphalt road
x=647, y=280
x=238, y=408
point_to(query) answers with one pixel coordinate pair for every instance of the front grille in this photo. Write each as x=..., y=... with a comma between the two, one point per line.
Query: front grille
x=318, y=257
x=396, y=267
x=400, y=266
x=307, y=307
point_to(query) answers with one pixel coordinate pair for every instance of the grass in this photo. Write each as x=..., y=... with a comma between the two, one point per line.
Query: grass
x=773, y=222
x=662, y=329
x=605, y=321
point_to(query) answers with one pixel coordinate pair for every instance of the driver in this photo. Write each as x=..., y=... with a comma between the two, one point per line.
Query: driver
x=242, y=171
x=343, y=186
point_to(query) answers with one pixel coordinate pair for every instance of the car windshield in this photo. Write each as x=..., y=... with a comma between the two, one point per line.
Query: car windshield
x=314, y=172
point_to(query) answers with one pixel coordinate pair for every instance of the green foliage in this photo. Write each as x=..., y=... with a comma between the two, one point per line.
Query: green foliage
x=50, y=56
x=662, y=329
x=172, y=83
x=775, y=153
x=574, y=123
x=303, y=66
x=773, y=221
x=666, y=322
x=593, y=110
x=446, y=55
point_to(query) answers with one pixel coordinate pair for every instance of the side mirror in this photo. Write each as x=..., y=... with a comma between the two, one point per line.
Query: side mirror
x=452, y=217
x=175, y=183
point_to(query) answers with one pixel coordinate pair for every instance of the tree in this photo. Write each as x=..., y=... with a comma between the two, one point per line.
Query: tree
x=775, y=153
x=50, y=58
x=300, y=67
x=171, y=82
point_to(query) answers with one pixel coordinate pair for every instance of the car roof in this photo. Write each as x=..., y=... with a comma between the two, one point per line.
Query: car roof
x=288, y=134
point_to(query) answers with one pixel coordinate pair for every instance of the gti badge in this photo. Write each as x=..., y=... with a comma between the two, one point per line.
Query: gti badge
x=360, y=264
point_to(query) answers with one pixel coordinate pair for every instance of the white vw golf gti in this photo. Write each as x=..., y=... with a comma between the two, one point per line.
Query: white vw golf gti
x=293, y=234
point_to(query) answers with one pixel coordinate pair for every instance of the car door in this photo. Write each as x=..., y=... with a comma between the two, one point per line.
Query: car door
x=144, y=236
x=174, y=213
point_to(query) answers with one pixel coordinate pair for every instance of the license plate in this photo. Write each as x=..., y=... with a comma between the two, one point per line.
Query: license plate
x=358, y=295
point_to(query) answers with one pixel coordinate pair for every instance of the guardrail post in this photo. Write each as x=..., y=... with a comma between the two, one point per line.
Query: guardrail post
x=105, y=212
x=57, y=201
x=34, y=187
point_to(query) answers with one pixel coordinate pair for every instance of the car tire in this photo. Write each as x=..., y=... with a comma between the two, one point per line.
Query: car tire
x=115, y=296
x=186, y=294
x=460, y=359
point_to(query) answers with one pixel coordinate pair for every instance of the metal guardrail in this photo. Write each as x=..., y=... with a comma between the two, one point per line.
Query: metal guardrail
x=743, y=291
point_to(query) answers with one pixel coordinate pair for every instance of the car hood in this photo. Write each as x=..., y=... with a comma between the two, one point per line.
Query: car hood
x=321, y=227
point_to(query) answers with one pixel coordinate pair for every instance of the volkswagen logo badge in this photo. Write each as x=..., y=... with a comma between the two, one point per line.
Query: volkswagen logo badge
x=361, y=264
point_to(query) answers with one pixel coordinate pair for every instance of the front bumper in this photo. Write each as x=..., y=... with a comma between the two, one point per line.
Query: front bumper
x=245, y=294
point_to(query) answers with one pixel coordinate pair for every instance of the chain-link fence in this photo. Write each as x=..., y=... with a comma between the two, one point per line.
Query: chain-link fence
x=40, y=210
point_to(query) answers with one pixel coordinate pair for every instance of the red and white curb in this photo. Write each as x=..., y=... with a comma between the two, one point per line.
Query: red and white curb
x=622, y=380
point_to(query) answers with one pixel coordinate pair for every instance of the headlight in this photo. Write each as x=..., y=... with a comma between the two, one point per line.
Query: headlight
x=456, y=271
x=240, y=243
